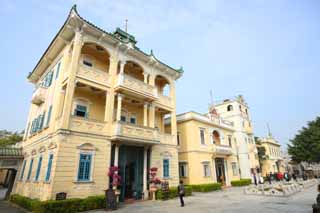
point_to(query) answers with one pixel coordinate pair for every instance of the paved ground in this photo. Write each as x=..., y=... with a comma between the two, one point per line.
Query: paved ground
x=229, y=200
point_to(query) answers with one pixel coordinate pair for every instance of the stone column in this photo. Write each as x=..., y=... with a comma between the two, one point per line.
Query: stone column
x=119, y=105
x=145, y=114
x=77, y=45
x=151, y=115
x=122, y=64
x=116, y=155
x=145, y=77
x=151, y=80
x=145, y=172
x=106, y=116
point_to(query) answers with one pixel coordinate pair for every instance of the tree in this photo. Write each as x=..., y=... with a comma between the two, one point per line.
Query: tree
x=8, y=138
x=306, y=144
x=261, y=151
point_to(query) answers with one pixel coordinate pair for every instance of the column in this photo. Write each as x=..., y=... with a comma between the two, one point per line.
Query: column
x=145, y=77
x=214, y=173
x=122, y=64
x=106, y=116
x=151, y=115
x=151, y=80
x=116, y=155
x=77, y=45
x=145, y=114
x=119, y=105
x=145, y=172
x=173, y=123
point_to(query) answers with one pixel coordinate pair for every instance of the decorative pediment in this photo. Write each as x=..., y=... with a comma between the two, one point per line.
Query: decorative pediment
x=33, y=152
x=42, y=149
x=166, y=154
x=87, y=146
x=52, y=145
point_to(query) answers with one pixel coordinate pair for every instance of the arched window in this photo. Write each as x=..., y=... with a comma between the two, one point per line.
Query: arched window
x=229, y=108
x=215, y=137
x=95, y=56
x=163, y=86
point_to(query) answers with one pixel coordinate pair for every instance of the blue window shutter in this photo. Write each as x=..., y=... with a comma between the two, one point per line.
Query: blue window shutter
x=166, y=168
x=49, y=116
x=42, y=120
x=84, y=167
x=58, y=70
x=23, y=168
x=38, y=168
x=32, y=126
x=30, y=169
x=49, y=167
x=50, y=75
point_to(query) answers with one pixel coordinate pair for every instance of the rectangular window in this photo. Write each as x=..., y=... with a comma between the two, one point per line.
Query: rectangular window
x=38, y=168
x=178, y=138
x=58, y=70
x=48, y=79
x=81, y=111
x=206, y=170
x=23, y=168
x=183, y=169
x=234, y=168
x=230, y=140
x=87, y=63
x=49, y=116
x=30, y=169
x=49, y=167
x=123, y=118
x=202, y=136
x=165, y=168
x=133, y=120
x=84, y=167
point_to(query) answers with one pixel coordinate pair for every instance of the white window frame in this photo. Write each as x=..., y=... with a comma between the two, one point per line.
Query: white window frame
x=88, y=59
x=90, y=152
x=185, y=166
x=204, y=136
x=83, y=102
x=205, y=173
x=235, y=170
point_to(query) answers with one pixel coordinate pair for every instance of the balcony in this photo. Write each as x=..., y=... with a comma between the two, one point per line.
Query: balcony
x=39, y=95
x=134, y=133
x=222, y=150
x=94, y=75
x=249, y=130
x=163, y=100
x=80, y=124
x=167, y=139
x=135, y=87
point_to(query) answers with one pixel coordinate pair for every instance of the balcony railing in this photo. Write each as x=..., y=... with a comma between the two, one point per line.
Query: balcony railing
x=132, y=84
x=93, y=74
x=222, y=150
x=167, y=139
x=130, y=132
x=39, y=95
x=80, y=124
x=164, y=100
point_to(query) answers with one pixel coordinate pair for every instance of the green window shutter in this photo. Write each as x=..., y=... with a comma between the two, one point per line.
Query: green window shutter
x=58, y=70
x=49, y=116
x=38, y=168
x=32, y=126
x=30, y=169
x=50, y=75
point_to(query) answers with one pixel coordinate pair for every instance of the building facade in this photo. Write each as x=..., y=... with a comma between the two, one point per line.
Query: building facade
x=237, y=111
x=99, y=101
x=207, y=152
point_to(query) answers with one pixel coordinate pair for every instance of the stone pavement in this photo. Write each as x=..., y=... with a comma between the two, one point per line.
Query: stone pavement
x=228, y=200
x=6, y=207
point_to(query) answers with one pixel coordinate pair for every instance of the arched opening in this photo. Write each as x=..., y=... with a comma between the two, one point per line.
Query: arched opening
x=162, y=85
x=229, y=108
x=95, y=56
x=134, y=70
x=216, y=137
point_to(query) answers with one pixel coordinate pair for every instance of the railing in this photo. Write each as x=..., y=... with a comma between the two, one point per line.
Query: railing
x=164, y=100
x=87, y=125
x=248, y=129
x=39, y=95
x=134, y=84
x=167, y=139
x=131, y=132
x=222, y=150
x=94, y=75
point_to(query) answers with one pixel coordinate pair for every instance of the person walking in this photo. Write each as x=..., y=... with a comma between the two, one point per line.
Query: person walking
x=181, y=192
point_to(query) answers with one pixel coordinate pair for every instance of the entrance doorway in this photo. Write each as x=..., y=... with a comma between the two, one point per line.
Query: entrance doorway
x=220, y=171
x=131, y=172
x=7, y=181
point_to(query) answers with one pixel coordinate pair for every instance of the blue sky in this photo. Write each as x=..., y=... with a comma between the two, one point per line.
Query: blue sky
x=266, y=50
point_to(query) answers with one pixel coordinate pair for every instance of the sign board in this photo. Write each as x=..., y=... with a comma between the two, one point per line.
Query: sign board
x=111, y=200
x=61, y=196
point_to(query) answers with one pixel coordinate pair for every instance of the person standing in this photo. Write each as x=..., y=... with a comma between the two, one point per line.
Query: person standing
x=316, y=206
x=181, y=192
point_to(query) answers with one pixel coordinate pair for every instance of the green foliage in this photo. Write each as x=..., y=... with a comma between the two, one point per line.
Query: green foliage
x=206, y=187
x=173, y=192
x=242, y=182
x=8, y=138
x=306, y=144
x=57, y=206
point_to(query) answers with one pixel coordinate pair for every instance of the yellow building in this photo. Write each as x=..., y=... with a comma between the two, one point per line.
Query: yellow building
x=273, y=156
x=207, y=150
x=99, y=101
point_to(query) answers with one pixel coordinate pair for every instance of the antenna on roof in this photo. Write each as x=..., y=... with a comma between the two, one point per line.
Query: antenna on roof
x=126, y=26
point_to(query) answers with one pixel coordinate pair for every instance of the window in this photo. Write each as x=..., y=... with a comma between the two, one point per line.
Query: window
x=178, y=138
x=234, y=168
x=87, y=62
x=38, y=168
x=49, y=116
x=165, y=168
x=230, y=140
x=133, y=119
x=202, y=137
x=58, y=70
x=84, y=167
x=49, y=167
x=81, y=111
x=23, y=168
x=183, y=169
x=123, y=118
x=229, y=108
x=206, y=170
x=48, y=79
x=30, y=169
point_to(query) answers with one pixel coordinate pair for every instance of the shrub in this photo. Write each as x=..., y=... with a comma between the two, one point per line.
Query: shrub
x=206, y=187
x=173, y=192
x=57, y=206
x=242, y=182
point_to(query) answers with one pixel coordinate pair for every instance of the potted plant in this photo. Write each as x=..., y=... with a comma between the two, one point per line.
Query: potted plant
x=115, y=179
x=154, y=181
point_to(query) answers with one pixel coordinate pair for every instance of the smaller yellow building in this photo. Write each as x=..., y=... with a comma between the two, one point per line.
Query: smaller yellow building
x=207, y=149
x=273, y=157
